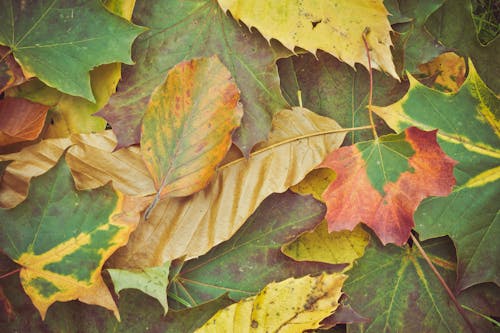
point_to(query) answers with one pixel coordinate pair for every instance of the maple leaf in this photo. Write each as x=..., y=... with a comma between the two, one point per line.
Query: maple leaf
x=61, y=238
x=468, y=132
x=252, y=258
x=381, y=182
x=28, y=32
x=314, y=298
x=20, y=120
x=187, y=127
x=198, y=29
x=178, y=227
x=325, y=25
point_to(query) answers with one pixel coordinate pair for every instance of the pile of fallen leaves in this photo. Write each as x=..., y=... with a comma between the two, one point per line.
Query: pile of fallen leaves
x=254, y=166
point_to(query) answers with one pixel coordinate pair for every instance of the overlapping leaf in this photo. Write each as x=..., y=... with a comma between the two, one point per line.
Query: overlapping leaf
x=187, y=127
x=469, y=133
x=85, y=29
x=381, y=182
x=196, y=29
x=191, y=226
x=252, y=258
x=61, y=238
x=397, y=290
x=325, y=25
x=11, y=73
x=446, y=72
x=273, y=310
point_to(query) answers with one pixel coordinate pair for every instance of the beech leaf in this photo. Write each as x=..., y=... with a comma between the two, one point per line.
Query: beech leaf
x=273, y=310
x=86, y=28
x=61, y=238
x=191, y=226
x=187, y=127
x=322, y=24
x=469, y=133
x=381, y=182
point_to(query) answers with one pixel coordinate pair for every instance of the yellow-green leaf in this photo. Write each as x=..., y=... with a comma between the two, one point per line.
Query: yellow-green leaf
x=187, y=127
x=335, y=26
x=293, y=305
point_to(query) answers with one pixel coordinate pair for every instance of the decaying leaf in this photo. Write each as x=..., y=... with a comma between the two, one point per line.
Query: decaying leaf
x=62, y=237
x=447, y=72
x=274, y=310
x=187, y=127
x=20, y=120
x=29, y=33
x=326, y=25
x=11, y=73
x=382, y=182
x=469, y=132
x=191, y=226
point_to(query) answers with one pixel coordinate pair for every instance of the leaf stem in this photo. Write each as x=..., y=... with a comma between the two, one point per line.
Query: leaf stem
x=10, y=273
x=180, y=300
x=370, y=94
x=443, y=283
x=491, y=320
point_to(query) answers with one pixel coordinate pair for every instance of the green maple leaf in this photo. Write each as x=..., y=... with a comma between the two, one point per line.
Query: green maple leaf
x=61, y=41
x=469, y=133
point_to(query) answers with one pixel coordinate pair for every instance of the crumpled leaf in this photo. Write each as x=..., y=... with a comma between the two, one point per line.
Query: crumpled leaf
x=318, y=244
x=447, y=72
x=333, y=89
x=20, y=120
x=86, y=28
x=191, y=226
x=66, y=265
x=382, y=182
x=469, y=133
x=272, y=310
x=90, y=158
x=248, y=261
x=398, y=291
x=198, y=29
x=11, y=73
x=152, y=281
x=187, y=127
x=325, y=25
x=453, y=25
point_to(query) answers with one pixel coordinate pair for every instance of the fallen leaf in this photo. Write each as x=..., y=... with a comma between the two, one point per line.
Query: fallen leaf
x=66, y=265
x=273, y=310
x=187, y=127
x=382, y=182
x=191, y=226
x=447, y=72
x=20, y=120
x=335, y=90
x=91, y=160
x=152, y=281
x=251, y=259
x=11, y=73
x=29, y=33
x=325, y=25
x=398, y=291
x=469, y=133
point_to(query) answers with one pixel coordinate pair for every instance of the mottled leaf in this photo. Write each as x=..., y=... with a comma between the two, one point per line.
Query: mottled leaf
x=85, y=29
x=90, y=158
x=252, y=258
x=152, y=281
x=191, y=226
x=333, y=89
x=454, y=27
x=20, y=120
x=446, y=72
x=326, y=25
x=382, y=182
x=397, y=290
x=273, y=310
x=11, y=73
x=469, y=133
x=61, y=238
x=196, y=29
x=187, y=127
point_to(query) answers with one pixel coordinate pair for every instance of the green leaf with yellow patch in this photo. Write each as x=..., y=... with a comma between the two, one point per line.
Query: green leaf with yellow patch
x=61, y=238
x=469, y=132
